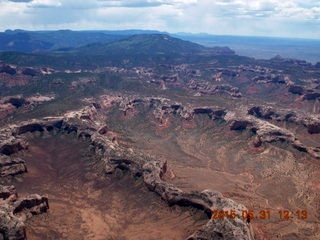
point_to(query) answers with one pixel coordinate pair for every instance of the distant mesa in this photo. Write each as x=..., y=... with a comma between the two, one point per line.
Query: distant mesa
x=299, y=62
x=153, y=44
x=94, y=42
x=30, y=71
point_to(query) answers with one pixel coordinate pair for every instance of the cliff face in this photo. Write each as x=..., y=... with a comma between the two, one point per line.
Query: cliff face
x=91, y=124
x=12, y=104
x=114, y=157
x=11, y=166
x=15, y=210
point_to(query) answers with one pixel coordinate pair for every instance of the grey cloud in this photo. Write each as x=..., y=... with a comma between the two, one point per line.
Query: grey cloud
x=240, y=17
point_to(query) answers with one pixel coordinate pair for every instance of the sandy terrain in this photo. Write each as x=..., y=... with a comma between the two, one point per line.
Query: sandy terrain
x=209, y=156
x=88, y=205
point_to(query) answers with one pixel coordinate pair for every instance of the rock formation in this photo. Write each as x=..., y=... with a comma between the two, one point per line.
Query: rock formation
x=11, y=104
x=266, y=132
x=11, y=166
x=14, y=211
x=208, y=88
x=4, y=68
x=116, y=157
x=89, y=123
x=310, y=121
x=255, y=119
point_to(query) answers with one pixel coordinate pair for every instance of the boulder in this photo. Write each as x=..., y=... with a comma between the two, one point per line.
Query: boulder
x=13, y=213
x=11, y=166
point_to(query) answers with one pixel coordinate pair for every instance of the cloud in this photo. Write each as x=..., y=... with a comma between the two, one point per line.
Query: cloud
x=300, y=18
x=44, y=3
x=145, y=3
x=307, y=9
x=20, y=0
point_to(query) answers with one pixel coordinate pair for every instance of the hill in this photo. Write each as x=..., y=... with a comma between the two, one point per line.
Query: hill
x=134, y=50
x=35, y=41
x=154, y=44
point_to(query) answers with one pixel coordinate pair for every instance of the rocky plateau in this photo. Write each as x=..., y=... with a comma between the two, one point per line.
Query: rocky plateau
x=85, y=123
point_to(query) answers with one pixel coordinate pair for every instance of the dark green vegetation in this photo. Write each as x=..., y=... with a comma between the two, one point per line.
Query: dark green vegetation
x=26, y=41
x=131, y=51
x=257, y=47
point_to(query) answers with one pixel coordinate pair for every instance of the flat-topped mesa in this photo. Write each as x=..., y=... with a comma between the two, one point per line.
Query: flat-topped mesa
x=14, y=211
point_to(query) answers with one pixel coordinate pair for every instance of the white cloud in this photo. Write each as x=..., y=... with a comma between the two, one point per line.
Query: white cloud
x=299, y=18
x=44, y=3
x=145, y=3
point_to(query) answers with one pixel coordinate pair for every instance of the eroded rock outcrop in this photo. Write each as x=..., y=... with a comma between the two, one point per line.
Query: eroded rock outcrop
x=308, y=94
x=263, y=112
x=266, y=132
x=163, y=107
x=311, y=96
x=5, y=68
x=139, y=164
x=14, y=211
x=310, y=121
x=17, y=101
x=11, y=166
x=7, y=192
x=89, y=124
x=294, y=89
x=255, y=119
x=313, y=127
x=271, y=78
x=208, y=88
x=30, y=71
x=13, y=145
x=152, y=172
x=10, y=104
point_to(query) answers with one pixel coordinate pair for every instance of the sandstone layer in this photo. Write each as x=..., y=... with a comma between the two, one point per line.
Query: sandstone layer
x=86, y=125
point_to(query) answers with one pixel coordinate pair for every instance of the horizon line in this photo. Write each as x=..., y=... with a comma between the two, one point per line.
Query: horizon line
x=160, y=32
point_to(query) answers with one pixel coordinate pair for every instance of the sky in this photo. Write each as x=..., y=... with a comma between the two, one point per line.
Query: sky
x=281, y=18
